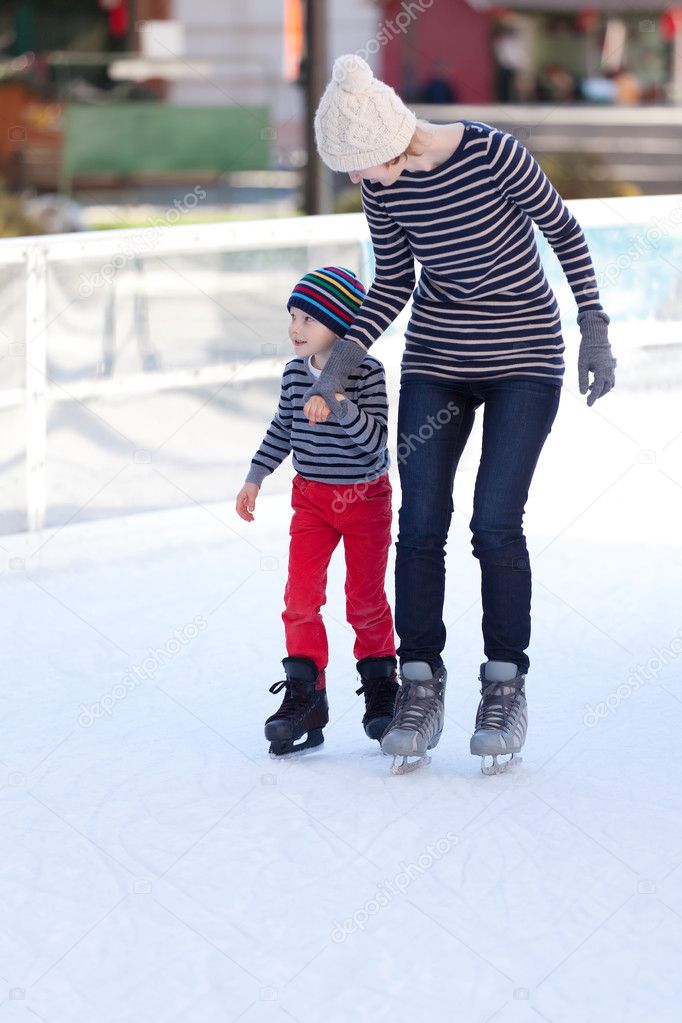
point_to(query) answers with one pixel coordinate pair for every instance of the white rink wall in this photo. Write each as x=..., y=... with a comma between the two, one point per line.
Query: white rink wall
x=139, y=369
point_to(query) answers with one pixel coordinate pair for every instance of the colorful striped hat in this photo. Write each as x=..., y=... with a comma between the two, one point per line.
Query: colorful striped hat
x=331, y=295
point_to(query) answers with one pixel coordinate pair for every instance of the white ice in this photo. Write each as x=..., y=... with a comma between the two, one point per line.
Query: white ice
x=158, y=866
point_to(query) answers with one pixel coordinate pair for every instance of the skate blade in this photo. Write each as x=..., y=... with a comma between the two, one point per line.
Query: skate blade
x=285, y=750
x=294, y=754
x=499, y=766
x=406, y=767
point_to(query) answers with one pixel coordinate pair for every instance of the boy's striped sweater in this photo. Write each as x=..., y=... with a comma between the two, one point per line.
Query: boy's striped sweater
x=347, y=448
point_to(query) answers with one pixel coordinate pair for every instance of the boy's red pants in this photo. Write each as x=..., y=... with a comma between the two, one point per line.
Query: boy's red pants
x=323, y=513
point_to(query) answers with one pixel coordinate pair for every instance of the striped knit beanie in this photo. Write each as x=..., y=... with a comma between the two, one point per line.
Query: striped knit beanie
x=331, y=295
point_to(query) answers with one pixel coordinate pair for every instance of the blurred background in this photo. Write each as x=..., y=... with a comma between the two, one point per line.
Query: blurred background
x=160, y=194
x=109, y=106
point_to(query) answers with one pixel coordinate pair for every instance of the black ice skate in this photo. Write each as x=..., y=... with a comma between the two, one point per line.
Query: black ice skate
x=501, y=722
x=304, y=710
x=380, y=688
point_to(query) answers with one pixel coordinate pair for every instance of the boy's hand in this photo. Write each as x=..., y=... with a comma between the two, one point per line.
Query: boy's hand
x=316, y=410
x=246, y=501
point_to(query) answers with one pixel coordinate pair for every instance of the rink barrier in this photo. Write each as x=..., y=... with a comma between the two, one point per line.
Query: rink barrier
x=36, y=253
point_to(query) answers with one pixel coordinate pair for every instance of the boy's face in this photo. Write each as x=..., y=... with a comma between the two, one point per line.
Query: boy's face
x=308, y=335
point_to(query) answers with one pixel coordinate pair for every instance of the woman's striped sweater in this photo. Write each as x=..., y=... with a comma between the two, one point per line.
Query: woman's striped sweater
x=483, y=308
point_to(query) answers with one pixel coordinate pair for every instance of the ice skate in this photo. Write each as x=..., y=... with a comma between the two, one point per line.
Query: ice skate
x=303, y=712
x=501, y=723
x=380, y=688
x=418, y=719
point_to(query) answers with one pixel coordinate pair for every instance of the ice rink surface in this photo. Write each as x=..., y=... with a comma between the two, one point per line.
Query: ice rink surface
x=158, y=865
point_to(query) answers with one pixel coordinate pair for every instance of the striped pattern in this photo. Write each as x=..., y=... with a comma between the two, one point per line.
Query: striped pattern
x=483, y=308
x=332, y=295
x=346, y=449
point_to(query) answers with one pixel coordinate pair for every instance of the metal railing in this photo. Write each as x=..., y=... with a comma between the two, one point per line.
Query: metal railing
x=112, y=252
x=251, y=266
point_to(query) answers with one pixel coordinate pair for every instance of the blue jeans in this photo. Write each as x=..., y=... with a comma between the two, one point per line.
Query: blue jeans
x=434, y=421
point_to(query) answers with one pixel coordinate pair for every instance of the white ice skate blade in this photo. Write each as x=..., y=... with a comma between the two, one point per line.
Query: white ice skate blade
x=499, y=767
x=406, y=767
x=295, y=754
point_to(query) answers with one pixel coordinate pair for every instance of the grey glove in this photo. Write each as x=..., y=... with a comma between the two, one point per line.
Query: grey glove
x=595, y=355
x=345, y=357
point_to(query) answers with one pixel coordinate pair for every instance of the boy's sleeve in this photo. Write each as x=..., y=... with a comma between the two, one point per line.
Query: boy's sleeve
x=366, y=422
x=519, y=177
x=276, y=443
x=394, y=280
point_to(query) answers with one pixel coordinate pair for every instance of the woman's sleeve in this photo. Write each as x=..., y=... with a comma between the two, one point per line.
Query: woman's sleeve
x=519, y=177
x=394, y=280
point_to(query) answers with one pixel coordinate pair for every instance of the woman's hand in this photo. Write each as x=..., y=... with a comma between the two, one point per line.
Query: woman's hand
x=246, y=501
x=595, y=355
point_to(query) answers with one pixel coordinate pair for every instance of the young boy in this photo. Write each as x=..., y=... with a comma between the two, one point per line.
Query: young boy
x=341, y=489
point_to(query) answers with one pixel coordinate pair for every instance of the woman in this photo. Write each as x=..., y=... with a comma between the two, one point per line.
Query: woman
x=484, y=330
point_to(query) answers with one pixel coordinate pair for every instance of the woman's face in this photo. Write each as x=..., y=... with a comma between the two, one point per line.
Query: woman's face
x=384, y=173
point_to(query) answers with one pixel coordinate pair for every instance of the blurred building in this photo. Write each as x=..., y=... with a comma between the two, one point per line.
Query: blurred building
x=82, y=83
x=255, y=49
x=124, y=90
x=537, y=50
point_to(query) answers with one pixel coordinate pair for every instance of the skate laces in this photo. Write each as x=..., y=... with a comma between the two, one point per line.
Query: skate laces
x=294, y=698
x=496, y=704
x=379, y=694
x=415, y=705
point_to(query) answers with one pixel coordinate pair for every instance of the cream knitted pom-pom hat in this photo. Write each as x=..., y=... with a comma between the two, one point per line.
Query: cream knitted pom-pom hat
x=360, y=121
